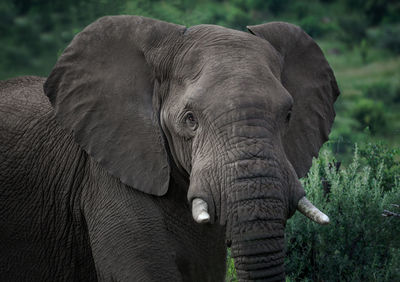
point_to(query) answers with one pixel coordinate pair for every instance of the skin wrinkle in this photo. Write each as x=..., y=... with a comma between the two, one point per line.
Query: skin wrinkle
x=233, y=208
x=255, y=243
x=207, y=176
x=206, y=39
x=25, y=135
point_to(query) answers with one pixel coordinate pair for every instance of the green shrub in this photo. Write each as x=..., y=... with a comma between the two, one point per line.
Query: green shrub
x=230, y=269
x=374, y=10
x=352, y=29
x=396, y=93
x=364, y=47
x=317, y=27
x=359, y=244
x=312, y=25
x=370, y=114
x=389, y=38
x=383, y=91
x=380, y=91
x=382, y=159
x=343, y=135
x=274, y=7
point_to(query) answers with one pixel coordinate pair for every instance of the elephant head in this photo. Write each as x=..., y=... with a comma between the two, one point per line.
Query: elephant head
x=239, y=115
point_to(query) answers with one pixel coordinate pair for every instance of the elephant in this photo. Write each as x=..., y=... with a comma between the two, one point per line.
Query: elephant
x=151, y=147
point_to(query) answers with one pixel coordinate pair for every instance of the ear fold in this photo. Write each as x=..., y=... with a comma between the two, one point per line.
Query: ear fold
x=307, y=76
x=102, y=90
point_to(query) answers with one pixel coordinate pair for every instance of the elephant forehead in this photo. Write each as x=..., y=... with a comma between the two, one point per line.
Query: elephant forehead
x=225, y=70
x=224, y=50
x=238, y=94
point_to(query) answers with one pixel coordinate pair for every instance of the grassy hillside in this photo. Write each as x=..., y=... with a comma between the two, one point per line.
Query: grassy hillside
x=369, y=106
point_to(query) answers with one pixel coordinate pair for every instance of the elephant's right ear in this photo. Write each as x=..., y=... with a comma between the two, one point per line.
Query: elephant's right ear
x=309, y=79
x=102, y=90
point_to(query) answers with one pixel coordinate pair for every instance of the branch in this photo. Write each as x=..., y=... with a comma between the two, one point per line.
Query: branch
x=388, y=213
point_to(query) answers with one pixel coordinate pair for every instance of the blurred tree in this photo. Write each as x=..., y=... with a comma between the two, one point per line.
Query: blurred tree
x=371, y=114
x=374, y=10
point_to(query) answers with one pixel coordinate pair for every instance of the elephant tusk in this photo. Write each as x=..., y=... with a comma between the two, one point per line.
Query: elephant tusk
x=310, y=211
x=200, y=211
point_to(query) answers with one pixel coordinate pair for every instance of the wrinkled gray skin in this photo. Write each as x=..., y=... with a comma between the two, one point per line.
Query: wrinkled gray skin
x=144, y=116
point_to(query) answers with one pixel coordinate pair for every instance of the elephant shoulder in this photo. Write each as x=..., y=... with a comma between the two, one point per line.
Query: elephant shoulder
x=31, y=141
x=22, y=101
x=25, y=115
x=22, y=94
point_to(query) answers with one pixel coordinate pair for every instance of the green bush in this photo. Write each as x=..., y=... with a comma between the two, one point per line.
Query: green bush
x=389, y=38
x=32, y=33
x=374, y=10
x=382, y=159
x=353, y=29
x=312, y=25
x=381, y=91
x=370, y=114
x=230, y=269
x=317, y=27
x=359, y=244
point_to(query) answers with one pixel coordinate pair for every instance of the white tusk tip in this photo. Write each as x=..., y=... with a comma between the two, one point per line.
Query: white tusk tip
x=310, y=211
x=200, y=211
x=203, y=217
x=324, y=219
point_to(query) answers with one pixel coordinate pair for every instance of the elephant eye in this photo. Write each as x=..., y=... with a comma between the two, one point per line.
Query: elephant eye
x=191, y=121
x=289, y=115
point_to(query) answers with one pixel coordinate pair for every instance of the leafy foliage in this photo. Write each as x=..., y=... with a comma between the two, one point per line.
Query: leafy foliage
x=383, y=160
x=230, y=269
x=359, y=244
x=352, y=29
x=34, y=32
x=380, y=91
x=390, y=38
x=371, y=114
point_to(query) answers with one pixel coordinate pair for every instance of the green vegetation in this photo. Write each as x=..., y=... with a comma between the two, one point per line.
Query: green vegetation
x=361, y=39
x=359, y=244
x=369, y=105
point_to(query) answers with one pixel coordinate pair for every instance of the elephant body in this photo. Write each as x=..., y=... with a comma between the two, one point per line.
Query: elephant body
x=150, y=147
x=61, y=212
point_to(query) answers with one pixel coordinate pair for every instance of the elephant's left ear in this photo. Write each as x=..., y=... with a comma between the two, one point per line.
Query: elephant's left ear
x=307, y=76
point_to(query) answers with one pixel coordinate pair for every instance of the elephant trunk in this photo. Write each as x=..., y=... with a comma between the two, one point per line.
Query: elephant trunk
x=257, y=192
x=258, y=207
x=261, y=259
x=258, y=241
